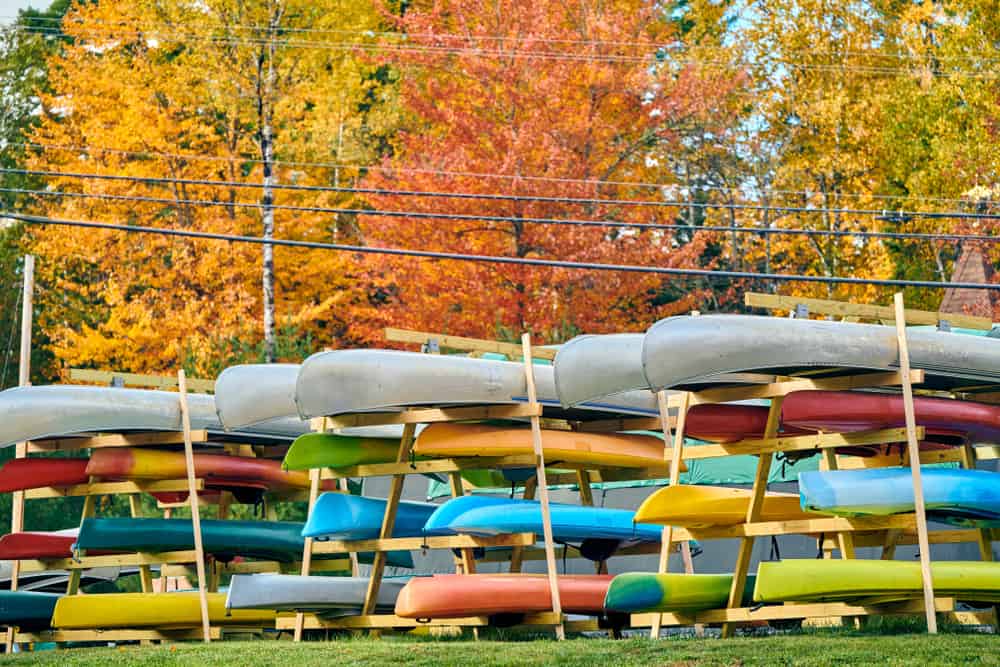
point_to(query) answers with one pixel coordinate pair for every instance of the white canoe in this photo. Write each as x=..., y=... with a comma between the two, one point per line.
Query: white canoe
x=324, y=595
x=688, y=352
x=347, y=381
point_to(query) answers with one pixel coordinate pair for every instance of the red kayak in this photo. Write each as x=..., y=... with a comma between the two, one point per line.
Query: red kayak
x=947, y=422
x=458, y=595
x=23, y=474
x=724, y=422
x=219, y=471
x=41, y=546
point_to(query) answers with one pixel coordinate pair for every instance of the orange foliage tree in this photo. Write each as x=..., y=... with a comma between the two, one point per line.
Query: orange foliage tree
x=537, y=99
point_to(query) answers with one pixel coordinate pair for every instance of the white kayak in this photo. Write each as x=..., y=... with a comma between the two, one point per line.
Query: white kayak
x=319, y=594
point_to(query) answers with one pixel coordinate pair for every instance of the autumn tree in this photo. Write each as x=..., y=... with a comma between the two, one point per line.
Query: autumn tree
x=534, y=100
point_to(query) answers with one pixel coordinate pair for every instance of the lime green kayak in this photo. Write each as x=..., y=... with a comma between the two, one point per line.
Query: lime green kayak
x=638, y=592
x=819, y=580
x=330, y=450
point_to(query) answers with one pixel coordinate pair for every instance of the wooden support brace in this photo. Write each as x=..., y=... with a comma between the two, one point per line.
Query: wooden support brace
x=543, y=488
x=195, y=510
x=517, y=553
x=913, y=448
x=307, y=550
x=745, y=552
x=145, y=575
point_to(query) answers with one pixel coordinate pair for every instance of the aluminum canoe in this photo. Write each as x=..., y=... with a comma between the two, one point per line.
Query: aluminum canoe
x=249, y=394
x=348, y=381
x=290, y=592
x=691, y=352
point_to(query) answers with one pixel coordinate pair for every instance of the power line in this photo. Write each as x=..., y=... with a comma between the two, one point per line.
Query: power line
x=472, y=217
x=493, y=259
x=483, y=175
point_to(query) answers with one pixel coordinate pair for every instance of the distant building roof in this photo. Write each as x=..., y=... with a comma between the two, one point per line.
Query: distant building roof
x=972, y=266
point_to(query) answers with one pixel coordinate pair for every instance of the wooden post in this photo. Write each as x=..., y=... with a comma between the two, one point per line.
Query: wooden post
x=913, y=448
x=300, y=617
x=145, y=576
x=676, y=456
x=543, y=488
x=389, y=520
x=745, y=552
x=587, y=500
x=517, y=553
x=466, y=563
x=845, y=541
x=344, y=486
x=195, y=510
x=24, y=379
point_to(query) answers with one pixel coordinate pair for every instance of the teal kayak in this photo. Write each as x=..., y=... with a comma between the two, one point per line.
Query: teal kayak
x=27, y=610
x=268, y=540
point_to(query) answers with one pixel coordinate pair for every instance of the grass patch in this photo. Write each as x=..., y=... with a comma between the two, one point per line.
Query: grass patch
x=815, y=648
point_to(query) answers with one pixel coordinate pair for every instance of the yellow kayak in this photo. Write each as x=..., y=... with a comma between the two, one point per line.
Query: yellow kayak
x=599, y=449
x=693, y=506
x=160, y=610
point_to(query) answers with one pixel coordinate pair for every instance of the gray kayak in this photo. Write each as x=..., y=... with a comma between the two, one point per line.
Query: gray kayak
x=253, y=393
x=690, y=352
x=347, y=381
x=323, y=595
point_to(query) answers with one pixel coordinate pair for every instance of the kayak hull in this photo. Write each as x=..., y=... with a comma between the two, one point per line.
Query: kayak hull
x=951, y=495
x=456, y=596
x=345, y=517
x=140, y=610
x=481, y=515
x=333, y=450
x=451, y=440
x=639, y=592
x=323, y=595
x=39, y=546
x=23, y=474
x=26, y=610
x=819, y=580
x=693, y=506
x=269, y=540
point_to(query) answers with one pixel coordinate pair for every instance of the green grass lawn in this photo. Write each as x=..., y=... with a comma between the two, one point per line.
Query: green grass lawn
x=801, y=649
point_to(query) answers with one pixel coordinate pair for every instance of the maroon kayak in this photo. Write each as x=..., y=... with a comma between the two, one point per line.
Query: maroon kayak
x=946, y=421
x=724, y=422
x=41, y=546
x=23, y=474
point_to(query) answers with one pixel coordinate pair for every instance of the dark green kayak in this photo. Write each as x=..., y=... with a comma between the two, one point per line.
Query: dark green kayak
x=330, y=450
x=268, y=540
x=27, y=610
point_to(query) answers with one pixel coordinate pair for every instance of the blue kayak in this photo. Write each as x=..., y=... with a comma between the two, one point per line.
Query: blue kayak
x=340, y=516
x=951, y=495
x=483, y=515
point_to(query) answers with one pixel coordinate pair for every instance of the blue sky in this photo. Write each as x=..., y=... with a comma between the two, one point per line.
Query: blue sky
x=9, y=8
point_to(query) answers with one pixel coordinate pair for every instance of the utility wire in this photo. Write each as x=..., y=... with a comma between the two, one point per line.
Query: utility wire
x=676, y=203
x=472, y=217
x=482, y=175
x=493, y=259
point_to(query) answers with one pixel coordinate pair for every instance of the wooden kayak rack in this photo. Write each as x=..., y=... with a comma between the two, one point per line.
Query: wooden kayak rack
x=170, y=563
x=832, y=533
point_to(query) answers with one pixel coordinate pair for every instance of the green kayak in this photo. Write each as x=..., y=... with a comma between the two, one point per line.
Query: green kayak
x=268, y=540
x=330, y=450
x=820, y=580
x=637, y=592
x=27, y=610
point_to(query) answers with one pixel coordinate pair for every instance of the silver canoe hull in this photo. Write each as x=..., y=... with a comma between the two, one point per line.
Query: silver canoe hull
x=289, y=592
x=687, y=352
x=31, y=413
x=252, y=393
x=347, y=381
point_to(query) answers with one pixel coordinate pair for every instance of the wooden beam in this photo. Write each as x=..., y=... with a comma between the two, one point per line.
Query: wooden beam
x=785, y=387
x=137, y=380
x=428, y=542
x=865, y=311
x=517, y=554
x=388, y=520
x=113, y=488
x=800, y=443
x=117, y=440
x=430, y=415
x=428, y=467
x=122, y=635
x=195, y=510
x=543, y=486
x=913, y=448
x=675, y=457
x=73, y=585
x=511, y=350
x=308, y=544
x=950, y=455
x=877, y=538
x=797, y=527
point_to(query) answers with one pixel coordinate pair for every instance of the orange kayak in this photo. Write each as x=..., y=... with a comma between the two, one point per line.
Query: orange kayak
x=611, y=449
x=218, y=470
x=458, y=595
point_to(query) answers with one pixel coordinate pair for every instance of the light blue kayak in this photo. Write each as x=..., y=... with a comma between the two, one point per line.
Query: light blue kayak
x=340, y=516
x=952, y=495
x=482, y=515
